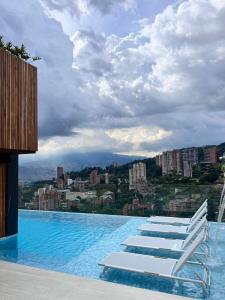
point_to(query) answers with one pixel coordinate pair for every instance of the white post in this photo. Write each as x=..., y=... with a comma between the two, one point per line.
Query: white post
x=222, y=203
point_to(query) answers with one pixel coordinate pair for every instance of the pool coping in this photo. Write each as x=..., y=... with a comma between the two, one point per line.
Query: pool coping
x=5, y=238
x=22, y=282
x=74, y=213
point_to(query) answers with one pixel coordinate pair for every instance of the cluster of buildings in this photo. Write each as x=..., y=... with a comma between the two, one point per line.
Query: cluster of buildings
x=137, y=175
x=51, y=198
x=181, y=161
x=95, y=178
x=46, y=198
x=67, y=193
x=63, y=180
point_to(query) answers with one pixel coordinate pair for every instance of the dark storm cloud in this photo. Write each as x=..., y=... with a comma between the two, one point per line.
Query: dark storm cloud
x=70, y=6
x=106, y=6
x=59, y=125
x=59, y=96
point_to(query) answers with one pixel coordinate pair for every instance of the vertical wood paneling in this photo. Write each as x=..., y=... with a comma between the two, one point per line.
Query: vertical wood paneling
x=18, y=104
x=2, y=198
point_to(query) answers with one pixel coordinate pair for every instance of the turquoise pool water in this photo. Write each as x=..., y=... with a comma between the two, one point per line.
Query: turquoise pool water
x=74, y=243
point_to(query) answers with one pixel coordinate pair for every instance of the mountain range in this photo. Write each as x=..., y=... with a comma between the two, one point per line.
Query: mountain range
x=45, y=169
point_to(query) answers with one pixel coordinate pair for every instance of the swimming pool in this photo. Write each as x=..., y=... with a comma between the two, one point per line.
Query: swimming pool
x=75, y=243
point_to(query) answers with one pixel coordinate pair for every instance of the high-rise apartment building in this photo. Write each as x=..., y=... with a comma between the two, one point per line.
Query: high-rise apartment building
x=139, y=171
x=94, y=177
x=59, y=172
x=158, y=160
x=187, y=169
x=106, y=178
x=177, y=162
x=137, y=174
x=172, y=162
x=209, y=154
x=164, y=164
x=190, y=157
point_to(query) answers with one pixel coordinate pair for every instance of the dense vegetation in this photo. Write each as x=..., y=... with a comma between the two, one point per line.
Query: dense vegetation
x=160, y=198
x=18, y=51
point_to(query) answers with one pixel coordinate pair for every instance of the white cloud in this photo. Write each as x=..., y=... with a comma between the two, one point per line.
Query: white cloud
x=137, y=135
x=124, y=140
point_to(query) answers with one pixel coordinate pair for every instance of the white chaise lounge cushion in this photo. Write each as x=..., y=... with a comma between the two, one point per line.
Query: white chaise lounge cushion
x=172, y=229
x=139, y=263
x=148, y=242
x=175, y=220
x=163, y=228
x=169, y=220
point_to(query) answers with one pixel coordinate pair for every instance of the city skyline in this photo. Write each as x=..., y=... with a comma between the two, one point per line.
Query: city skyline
x=130, y=77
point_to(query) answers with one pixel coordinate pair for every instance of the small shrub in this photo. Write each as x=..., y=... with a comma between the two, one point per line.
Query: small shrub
x=19, y=52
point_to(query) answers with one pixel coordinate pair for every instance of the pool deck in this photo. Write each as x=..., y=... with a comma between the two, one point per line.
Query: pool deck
x=21, y=282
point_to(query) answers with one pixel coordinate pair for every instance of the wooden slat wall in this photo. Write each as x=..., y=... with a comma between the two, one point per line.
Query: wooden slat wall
x=18, y=105
x=2, y=198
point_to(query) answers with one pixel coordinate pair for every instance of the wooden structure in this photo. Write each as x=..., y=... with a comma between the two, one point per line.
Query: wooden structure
x=18, y=105
x=18, y=131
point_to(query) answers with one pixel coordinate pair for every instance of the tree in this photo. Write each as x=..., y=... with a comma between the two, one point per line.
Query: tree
x=211, y=175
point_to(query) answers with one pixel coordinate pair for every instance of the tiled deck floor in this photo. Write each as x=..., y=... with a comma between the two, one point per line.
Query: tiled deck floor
x=18, y=282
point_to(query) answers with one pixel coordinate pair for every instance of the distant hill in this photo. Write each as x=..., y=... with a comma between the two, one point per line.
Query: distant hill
x=151, y=169
x=220, y=149
x=45, y=169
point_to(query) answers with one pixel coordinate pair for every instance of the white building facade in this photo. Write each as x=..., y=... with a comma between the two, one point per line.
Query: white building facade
x=137, y=174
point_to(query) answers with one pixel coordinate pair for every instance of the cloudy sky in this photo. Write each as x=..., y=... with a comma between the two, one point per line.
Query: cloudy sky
x=126, y=76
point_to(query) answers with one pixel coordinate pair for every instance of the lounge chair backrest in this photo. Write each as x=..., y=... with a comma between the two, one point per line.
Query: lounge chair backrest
x=201, y=224
x=197, y=219
x=189, y=251
x=204, y=204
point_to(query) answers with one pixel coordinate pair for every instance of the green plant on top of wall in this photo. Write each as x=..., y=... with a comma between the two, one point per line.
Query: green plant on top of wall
x=18, y=51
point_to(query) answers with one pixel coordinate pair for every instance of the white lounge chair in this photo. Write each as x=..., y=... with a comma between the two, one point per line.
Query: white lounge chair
x=174, y=245
x=177, y=221
x=172, y=229
x=161, y=267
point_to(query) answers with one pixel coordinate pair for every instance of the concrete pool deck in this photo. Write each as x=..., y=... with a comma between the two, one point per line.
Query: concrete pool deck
x=19, y=282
